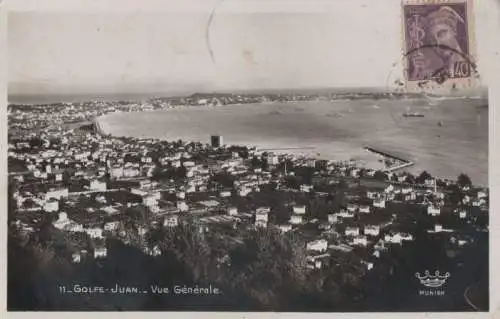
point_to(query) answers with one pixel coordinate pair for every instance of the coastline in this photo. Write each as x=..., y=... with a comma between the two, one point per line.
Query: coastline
x=298, y=150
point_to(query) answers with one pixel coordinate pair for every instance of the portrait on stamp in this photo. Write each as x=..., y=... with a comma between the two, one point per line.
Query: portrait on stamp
x=437, y=41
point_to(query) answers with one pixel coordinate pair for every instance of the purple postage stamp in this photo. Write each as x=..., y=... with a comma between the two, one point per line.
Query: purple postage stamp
x=439, y=43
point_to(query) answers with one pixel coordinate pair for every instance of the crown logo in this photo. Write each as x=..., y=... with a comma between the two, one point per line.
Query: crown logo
x=431, y=281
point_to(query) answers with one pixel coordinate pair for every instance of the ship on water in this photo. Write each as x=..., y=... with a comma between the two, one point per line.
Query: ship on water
x=408, y=113
x=413, y=114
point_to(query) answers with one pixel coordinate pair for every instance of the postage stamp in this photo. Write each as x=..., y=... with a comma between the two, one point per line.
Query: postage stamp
x=439, y=44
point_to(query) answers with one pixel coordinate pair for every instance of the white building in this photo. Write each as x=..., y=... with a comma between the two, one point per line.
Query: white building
x=306, y=188
x=372, y=230
x=52, y=205
x=182, y=206
x=57, y=193
x=188, y=164
x=273, y=160
x=345, y=214
x=364, y=209
x=406, y=190
x=100, y=252
x=285, y=228
x=482, y=194
x=360, y=241
x=352, y=208
x=296, y=219
x=171, y=221
x=393, y=238
x=225, y=194
x=299, y=210
x=433, y=211
x=244, y=191
x=380, y=203
x=96, y=185
x=111, y=226
x=389, y=189
x=181, y=195
x=116, y=172
x=372, y=195
x=332, y=218
x=462, y=214
x=62, y=221
x=76, y=258
x=261, y=216
x=232, y=211
x=352, y=231
x=319, y=245
x=94, y=232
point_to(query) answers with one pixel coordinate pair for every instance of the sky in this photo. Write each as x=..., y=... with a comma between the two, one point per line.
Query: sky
x=251, y=44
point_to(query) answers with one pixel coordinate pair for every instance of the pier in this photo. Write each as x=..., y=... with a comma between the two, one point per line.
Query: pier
x=404, y=162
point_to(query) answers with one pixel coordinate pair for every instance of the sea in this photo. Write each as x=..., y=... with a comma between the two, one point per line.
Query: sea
x=451, y=138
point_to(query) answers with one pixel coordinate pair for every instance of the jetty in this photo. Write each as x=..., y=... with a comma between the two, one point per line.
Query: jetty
x=402, y=162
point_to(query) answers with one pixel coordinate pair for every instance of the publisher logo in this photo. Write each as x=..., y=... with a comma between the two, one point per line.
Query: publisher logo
x=433, y=282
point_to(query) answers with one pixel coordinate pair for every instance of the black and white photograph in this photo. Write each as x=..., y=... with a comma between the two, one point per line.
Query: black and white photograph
x=250, y=156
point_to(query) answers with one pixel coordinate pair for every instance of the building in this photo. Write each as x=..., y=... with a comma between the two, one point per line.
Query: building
x=299, y=210
x=306, y=188
x=296, y=219
x=285, y=228
x=62, y=221
x=352, y=208
x=433, y=210
x=97, y=185
x=76, y=258
x=57, y=193
x=360, y=241
x=380, y=203
x=182, y=206
x=216, y=141
x=273, y=159
x=111, y=226
x=364, y=209
x=171, y=221
x=94, y=232
x=100, y=252
x=332, y=218
x=319, y=245
x=352, y=231
x=372, y=230
x=52, y=205
x=232, y=211
x=261, y=216
x=225, y=194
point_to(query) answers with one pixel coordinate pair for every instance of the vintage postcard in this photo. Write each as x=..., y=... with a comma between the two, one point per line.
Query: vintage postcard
x=249, y=156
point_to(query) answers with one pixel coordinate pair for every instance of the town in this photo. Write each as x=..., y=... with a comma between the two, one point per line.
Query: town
x=94, y=187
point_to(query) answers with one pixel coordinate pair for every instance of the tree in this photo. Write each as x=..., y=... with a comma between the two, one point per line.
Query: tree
x=423, y=177
x=464, y=180
x=380, y=175
x=410, y=179
x=268, y=268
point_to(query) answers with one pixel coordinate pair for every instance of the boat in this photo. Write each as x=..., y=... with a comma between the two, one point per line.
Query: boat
x=413, y=114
